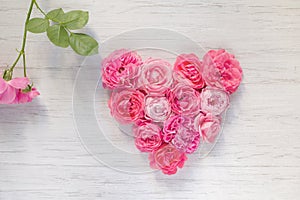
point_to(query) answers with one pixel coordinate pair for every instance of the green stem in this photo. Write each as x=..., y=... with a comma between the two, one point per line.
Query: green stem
x=39, y=8
x=22, y=52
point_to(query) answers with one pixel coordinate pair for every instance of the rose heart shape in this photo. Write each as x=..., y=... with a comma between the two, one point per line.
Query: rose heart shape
x=173, y=109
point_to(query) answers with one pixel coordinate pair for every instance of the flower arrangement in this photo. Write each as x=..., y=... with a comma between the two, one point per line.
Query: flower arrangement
x=60, y=27
x=173, y=109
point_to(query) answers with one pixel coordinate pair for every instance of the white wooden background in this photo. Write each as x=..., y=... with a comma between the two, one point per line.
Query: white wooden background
x=257, y=156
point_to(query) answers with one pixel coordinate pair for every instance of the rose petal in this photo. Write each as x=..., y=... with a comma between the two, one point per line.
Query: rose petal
x=8, y=96
x=3, y=85
x=19, y=83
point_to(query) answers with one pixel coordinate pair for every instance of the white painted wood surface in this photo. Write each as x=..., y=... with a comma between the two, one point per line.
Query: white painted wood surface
x=257, y=156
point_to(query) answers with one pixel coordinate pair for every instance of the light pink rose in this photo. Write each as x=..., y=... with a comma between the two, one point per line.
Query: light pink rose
x=127, y=106
x=120, y=69
x=214, y=101
x=180, y=131
x=222, y=70
x=188, y=70
x=147, y=137
x=156, y=76
x=16, y=91
x=184, y=100
x=157, y=108
x=209, y=125
x=167, y=158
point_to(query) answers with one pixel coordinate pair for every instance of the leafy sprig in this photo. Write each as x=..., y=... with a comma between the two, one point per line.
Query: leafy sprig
x=59, y=26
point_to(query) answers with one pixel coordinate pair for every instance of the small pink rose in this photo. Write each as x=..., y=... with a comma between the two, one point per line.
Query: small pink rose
x=147, y=137
x=13, y=91
x=188, y=70
x=157, y=108
x=156, y=76
x=222, y=70
x=26, y=96
x=167, y=158
x=209, y=125
x=184, y=100
x=120, y=69
x=180, y=131
x=127, y=105
x=214, y=101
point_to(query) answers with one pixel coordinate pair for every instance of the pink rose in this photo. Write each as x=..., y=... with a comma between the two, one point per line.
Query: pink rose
x=157, y=109
x=156, y=76
x=209, y=126
x=179, y=130
x=147, y=137
x=16, y=91
x=127, y=105
x=167, y=158
x=187, y=69
x=222, y=70
x=120, y=69
x=214, y=101
x=184, y=100
x=25, y=97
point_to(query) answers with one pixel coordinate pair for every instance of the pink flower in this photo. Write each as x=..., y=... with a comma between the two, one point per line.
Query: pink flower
x=187, y=69
x=167, y=158
x=156, y=76
x=14, y=91
x=214, y=101
x=184, y=100
x=157, y=108
x=127, y=105
x=120, y=69
x=209, y=125
x=24, y=97
x=180, y=131
x=222, y=70
x=147, y=137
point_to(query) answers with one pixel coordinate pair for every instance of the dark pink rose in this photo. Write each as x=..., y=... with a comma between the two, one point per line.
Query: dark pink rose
x=167, y=158
x=188, y=70
x=127, y=106
x=120, y=69
x=184, y=100
x=156, y=76
x=148, y=137
x=157, y=108
x=209, y=126
x=180, y=131
x=214, y=101
x=222, y=70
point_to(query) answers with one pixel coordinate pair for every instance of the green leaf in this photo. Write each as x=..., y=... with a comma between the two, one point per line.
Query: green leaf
x=83, y=44
x=75, y=19
x=58, y=35
x=37, y=25
x=55, y=15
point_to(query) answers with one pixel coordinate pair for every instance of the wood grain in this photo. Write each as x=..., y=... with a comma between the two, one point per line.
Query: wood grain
x=257, y=157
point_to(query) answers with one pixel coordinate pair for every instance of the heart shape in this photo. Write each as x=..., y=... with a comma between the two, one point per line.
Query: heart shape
x=173, y=108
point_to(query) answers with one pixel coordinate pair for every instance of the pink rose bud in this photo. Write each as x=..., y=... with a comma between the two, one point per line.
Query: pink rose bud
x=222, y=70
x=167, y=158
x=188, y=70
x=214, y=101
x=127, y=106
x=147, y=137
x=120, y=69
x=156, y=76
x=184, y=100
x=157, y=108
x=209, y=125
x=180, y=131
